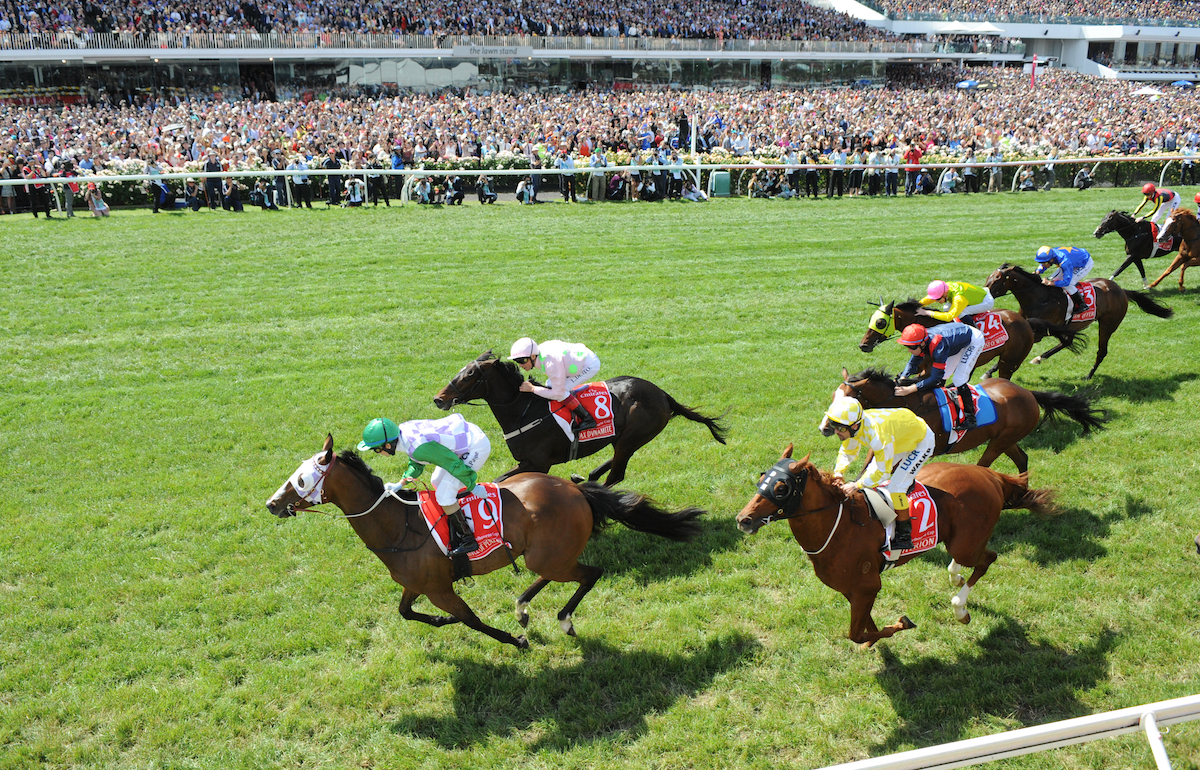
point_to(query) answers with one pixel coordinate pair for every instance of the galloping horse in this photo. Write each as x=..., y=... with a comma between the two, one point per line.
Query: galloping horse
x=546, y=519
x=640, y=409
x=1138, y=237
x=1183, y=223
x=1049, y=303
x=890, y=318
x=1018, y=412
x=843, y=541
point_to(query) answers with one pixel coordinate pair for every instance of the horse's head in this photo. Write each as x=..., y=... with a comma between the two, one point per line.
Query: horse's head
x=786, y=490
x=1181, y=222
x=881, y=326
x=1113, y=221
x=475, y=381
x=999, y=282
x=306, y=486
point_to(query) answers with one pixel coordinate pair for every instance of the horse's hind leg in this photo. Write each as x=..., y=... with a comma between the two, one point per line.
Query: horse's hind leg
x=586, y=577
x=446, y=599
x=1045, y=356
x=600, y=470
x=955, y=570
x=959, y=601
x=524, y=599
x=1101, y=348
x=408, y=613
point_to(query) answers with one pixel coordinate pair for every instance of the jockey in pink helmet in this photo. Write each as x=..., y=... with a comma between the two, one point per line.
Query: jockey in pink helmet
x=961, y=300
x=567, y=367
x=1165, y=202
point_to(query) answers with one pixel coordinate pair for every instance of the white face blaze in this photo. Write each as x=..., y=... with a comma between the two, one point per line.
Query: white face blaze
x=308, y=480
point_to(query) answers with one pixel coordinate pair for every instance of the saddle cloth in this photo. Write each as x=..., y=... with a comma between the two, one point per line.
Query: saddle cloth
x=483, y=513
x=947, y=400
x=1085, y=303
x=1170, y=245
x=994, y=333
x=598, y=401
x=923, y=511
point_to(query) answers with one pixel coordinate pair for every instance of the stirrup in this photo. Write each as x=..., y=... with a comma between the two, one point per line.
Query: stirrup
x=465, y=546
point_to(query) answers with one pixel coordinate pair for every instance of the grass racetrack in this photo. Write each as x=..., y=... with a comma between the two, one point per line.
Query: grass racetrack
x=163, y=375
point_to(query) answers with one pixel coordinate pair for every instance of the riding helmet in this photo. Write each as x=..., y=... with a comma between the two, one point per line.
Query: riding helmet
x=378, y=432
x=914, y=334
x=937, y=289
x=1046, y=254
x=1148, y=188
x=844, y=412
x=524, y=348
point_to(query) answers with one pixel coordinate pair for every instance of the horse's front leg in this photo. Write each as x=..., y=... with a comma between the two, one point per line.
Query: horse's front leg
x=445, y=598
x=861, y=624
x=408, y=613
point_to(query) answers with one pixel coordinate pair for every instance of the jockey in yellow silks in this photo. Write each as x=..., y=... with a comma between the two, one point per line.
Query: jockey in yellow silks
x=962, y=300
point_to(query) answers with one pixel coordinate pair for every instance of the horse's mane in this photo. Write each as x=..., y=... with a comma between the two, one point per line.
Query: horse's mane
x=359, y=467
x=874, y=375
x=506, y=368
x=1186, y=214
x=909, y=305
x=1018, y=269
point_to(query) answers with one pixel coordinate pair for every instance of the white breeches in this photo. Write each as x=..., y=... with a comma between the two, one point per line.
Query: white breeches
x=906, y=469
x=987, y=304
x=960, y=365
x=446, y=486
x=583, y=372
x=1079, y=275
x=1167, y=209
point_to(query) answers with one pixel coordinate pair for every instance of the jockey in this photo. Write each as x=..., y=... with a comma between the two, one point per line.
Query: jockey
x=1073, y=266
x=1165, y=202
x=457, y=448
x=954, y=348
x=567, y=367
x=964, y=300
x=888, y=434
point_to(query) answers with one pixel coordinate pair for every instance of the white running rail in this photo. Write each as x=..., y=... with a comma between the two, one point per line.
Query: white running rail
x=1051, y=736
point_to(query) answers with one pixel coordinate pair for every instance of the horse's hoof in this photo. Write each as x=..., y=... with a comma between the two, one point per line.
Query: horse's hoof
x=523, y=615
x=906, y=624
x=958, y=581
x=522, y=642
x=575, y=477
x=1037, y=360
x=567, y=626
x=965, y=619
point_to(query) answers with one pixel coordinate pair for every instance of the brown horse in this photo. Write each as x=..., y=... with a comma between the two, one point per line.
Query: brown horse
x=1018, y=412
x=843, y=541
x=890, y=319
x=1049, y=303
x=546, y=519
x=1184, y=224
x=640, y=411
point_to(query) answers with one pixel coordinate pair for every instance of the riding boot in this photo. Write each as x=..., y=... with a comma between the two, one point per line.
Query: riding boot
x=466, y=539
x=902, y=539
x=1070, y=307
x=968, y=407
x=969, y=320
x=583, y=419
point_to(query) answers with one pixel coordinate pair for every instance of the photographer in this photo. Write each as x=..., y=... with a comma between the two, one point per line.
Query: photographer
x=231, y=195
x=192, y=195
x=279, y=182
x=261, y=196
x=1083, y=179
x=456, y=190
x=483, y=188
x=302, y=189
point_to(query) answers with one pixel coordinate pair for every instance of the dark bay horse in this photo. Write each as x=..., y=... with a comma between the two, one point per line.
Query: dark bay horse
x=843, y=541
x=1049, y=303
x=641, y=410
x=1138, y=237
x=546, y=519
x=1018, y=412
x=1184, y=224
x=890, y=319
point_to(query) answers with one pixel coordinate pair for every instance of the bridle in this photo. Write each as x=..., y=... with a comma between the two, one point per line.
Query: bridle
x=1130, y=223
x=470, y=370
x=788, y=501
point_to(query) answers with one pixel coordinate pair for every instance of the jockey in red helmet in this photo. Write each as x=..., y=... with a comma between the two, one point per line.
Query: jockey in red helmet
x=954, y=349
x=1165, y=202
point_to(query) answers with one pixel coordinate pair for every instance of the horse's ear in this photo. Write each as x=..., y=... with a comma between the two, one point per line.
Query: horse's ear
x=327, y=457
x=485, y=355
x=845, y=374
x=891, y=306
x=787, y=452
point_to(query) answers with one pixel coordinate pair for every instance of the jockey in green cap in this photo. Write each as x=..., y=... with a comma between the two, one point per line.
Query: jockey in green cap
x=457, y=448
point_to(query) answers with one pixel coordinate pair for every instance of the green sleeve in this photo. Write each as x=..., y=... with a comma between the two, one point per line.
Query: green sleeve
x=415, y=469
x=433, y=452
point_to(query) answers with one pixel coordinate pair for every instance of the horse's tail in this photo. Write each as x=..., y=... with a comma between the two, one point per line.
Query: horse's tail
x=1074, y=341
x=1017, y=494
x=638, y=512
x=1148, y=305
x=1078, y=407
x=714, y=423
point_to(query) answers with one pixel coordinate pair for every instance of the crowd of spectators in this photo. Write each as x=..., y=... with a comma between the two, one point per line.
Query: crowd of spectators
x=921, y=109
x=1183, y=12
x=730, y=19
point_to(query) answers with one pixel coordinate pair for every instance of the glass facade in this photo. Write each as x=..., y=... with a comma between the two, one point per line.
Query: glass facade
x=313, y=78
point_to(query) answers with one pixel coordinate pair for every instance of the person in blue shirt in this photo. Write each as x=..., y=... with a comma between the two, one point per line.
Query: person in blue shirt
x=953, y=350
x=1073, y=265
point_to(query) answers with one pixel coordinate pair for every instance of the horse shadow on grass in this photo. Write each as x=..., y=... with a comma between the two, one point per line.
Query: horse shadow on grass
x=607, y=694
x=1135, y=390
x=649, y=559
x=1007, y=677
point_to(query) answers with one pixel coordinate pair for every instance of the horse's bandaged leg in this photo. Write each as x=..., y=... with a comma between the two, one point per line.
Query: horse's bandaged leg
x=959, y=603
x=955, y=569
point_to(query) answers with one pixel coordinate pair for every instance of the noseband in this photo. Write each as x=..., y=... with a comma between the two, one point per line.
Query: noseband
x=787, y=501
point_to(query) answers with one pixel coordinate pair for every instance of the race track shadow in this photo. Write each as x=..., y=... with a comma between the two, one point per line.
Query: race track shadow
x=1076, y=533
x=1007, y=677
x=649, y=558
x=1141, y=390
x=610, y=691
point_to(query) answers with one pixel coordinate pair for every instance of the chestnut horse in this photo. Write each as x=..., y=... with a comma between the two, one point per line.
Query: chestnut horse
x=1182, y=223
x=640, y=408
x=890, y=319
x=1049, y=303
x=843, y=541
x=546, y=519
x=1138, y=237
x=1018, y=412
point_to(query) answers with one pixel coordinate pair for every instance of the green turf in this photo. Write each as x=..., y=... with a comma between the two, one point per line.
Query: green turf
x=163, y=375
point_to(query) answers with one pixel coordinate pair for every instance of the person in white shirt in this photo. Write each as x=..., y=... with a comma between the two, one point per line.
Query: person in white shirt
x=567, y=367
